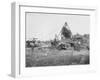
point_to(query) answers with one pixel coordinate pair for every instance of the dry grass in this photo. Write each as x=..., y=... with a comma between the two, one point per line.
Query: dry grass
x=54, y=57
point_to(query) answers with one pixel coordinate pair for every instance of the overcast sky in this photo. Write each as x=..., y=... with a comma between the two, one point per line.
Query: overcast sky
x=45, y=26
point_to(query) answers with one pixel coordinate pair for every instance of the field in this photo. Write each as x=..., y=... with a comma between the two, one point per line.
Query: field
x=54, y=57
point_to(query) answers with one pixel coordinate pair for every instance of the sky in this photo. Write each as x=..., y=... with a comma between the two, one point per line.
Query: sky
x=45, y=26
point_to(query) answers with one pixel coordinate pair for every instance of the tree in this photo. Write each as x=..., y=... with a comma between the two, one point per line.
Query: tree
x=65, y=32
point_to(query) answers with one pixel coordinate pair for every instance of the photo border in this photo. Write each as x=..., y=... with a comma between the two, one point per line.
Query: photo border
x=16, y=71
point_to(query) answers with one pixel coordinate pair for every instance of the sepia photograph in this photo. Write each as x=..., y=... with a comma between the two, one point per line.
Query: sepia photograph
x=56, y=39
